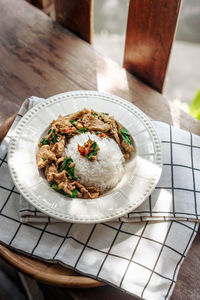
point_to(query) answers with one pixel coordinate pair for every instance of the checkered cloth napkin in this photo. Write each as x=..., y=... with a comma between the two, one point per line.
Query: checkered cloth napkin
x=140, y=253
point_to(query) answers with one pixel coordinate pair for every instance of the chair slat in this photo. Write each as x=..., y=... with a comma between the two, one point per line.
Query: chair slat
x=77, y=16
x=150, y=32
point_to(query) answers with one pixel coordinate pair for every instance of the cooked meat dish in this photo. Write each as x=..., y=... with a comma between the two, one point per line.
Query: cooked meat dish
x=60, y=169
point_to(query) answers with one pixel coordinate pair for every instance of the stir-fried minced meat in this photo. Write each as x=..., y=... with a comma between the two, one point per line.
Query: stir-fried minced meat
x=68, y=130
x=67, y=187
x=92, y=194
x=60, y=170
x=59, y=146
x=78, y=125
x=114, y=131
x=127, y=147
x=60, y=160
x=104, y=117
x=93, y=123
x=50, y=171
x=126, y=155
x=79, y=195
x=61, y=123
x=52, y=174
x=78, y=114
x=60, y=177
x=94, y=191
x=44, y=156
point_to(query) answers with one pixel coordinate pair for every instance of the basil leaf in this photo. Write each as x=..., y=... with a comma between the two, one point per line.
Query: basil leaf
x=126, y=136
x=54, y=136
x=44, y=141
x=55, y=187
x=105, y=113
x=94, y=151
x=82, y=130
x=124, y=131
x=73, y=123
x=127, y=139
x=70, y=171
x=49, y=131
x=95, y=147
x=74, y=194
x=43, y=158
x=95, y=114
x=65, y=164
x=89, y=156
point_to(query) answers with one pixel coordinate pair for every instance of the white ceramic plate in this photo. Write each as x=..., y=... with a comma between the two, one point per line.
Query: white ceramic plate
x=142, y=171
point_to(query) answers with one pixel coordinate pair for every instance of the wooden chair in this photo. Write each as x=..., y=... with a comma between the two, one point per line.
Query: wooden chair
x=40, y=57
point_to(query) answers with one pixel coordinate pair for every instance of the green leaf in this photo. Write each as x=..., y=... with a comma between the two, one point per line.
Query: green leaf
x=195, y=106
x=43, y=158
x=74, y=194
x=124, y=131
x=89, y=156
x=105, y=113
x=94, y=151
x=55, y=187
x=73, y=123
x=127, y=139
x=82, y=130
x=95, y=114
x=44, y=141
x=70, y=171
x=126, y=136
x=65, y=164
x=54, y=136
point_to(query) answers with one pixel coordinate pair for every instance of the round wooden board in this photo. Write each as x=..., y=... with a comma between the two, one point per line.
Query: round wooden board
x=53, y=274
x=43, y=271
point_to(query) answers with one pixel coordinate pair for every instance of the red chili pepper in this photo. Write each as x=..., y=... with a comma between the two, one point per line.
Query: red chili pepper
x=84, y=151
x=81, y=150
x=87, y=149
x=70, y=130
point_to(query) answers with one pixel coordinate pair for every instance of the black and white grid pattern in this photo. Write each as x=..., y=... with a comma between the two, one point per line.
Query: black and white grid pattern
x=177, y=195
x=142, y=258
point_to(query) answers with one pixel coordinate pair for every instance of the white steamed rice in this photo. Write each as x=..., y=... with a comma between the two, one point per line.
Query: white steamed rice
x=106, y=171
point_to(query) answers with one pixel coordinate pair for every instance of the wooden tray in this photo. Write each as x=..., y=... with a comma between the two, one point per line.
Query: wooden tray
x=49, y=273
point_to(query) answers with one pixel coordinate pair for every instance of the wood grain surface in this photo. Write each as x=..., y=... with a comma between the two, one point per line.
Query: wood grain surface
x=53, y=274
x=39, y=57
x=76, y=15
x=6, y=126
x=150, y=32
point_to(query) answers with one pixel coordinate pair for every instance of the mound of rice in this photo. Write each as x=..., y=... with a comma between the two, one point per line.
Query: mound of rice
x=106, y=171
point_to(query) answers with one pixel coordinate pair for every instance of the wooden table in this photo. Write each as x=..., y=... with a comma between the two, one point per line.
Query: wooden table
x=39, y=57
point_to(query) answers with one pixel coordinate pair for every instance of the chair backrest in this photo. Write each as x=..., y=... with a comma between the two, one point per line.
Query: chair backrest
x=150, y=33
